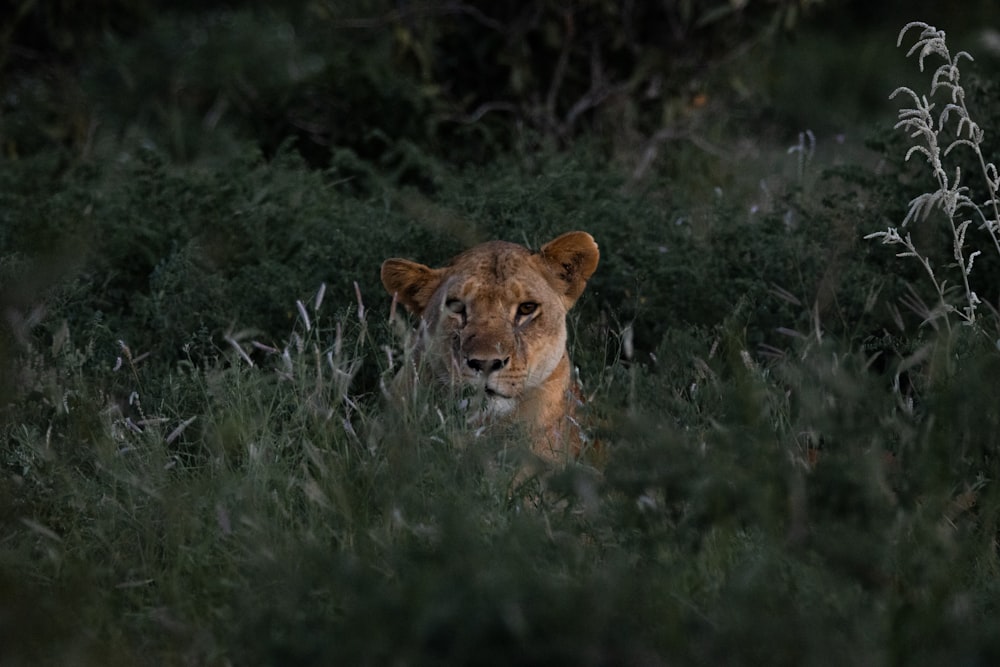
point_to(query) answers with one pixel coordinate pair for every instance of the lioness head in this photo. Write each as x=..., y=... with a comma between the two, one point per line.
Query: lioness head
x=495, y=320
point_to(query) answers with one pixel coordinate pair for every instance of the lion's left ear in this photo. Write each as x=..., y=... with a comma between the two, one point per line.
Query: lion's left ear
x=573, y=258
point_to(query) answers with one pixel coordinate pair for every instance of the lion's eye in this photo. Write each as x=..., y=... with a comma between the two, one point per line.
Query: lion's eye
x=455, y=305
x=526, y=308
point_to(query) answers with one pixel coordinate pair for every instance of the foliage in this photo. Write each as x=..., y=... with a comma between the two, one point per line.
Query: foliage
x=452, y=79
x=198, y=465
x=315, y=528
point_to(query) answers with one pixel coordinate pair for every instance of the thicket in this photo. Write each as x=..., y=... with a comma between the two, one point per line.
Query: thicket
x=464, y=81
x=196, y=464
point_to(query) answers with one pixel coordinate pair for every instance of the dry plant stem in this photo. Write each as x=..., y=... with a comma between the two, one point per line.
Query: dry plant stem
x=951, y=196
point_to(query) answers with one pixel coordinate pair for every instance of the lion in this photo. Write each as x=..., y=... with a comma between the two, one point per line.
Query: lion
x=493, y=322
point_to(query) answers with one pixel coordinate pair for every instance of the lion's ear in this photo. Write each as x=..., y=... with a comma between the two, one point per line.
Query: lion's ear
x=573, y=258
x=412, y=284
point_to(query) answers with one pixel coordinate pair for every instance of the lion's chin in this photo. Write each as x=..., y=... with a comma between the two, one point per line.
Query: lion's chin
x=493, y=403
x=498, y=405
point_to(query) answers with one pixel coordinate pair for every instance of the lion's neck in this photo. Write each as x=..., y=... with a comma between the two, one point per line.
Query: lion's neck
x=548, y=411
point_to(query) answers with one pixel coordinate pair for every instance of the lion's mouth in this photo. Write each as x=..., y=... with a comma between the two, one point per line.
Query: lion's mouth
x=493, y=393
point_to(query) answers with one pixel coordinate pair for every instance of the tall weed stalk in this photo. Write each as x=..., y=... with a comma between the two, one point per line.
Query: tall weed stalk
x=937, y=134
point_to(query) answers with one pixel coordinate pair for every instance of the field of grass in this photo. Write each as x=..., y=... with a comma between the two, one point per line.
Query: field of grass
x=197, y=461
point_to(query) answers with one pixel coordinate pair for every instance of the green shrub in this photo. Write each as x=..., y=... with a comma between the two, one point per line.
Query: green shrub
x=463, y=83
x=198, y=465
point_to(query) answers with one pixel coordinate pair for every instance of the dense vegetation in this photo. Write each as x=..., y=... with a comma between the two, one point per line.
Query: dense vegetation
x=799, y=456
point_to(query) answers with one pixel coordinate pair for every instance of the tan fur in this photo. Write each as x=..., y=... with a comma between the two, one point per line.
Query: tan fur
x=494, y=319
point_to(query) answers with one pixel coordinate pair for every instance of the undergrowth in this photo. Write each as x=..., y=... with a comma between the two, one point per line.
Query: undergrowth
x=290, y=520
x=200, y=463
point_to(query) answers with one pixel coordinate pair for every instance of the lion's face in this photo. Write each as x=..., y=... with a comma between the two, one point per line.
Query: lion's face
x=495, y=316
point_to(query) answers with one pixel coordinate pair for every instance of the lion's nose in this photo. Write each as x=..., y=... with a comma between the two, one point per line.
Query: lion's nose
x=486, y=365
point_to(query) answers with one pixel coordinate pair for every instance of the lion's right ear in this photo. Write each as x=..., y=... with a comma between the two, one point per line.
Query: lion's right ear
x=412, y=284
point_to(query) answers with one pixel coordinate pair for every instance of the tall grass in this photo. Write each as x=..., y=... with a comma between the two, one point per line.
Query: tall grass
x=295, y=521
